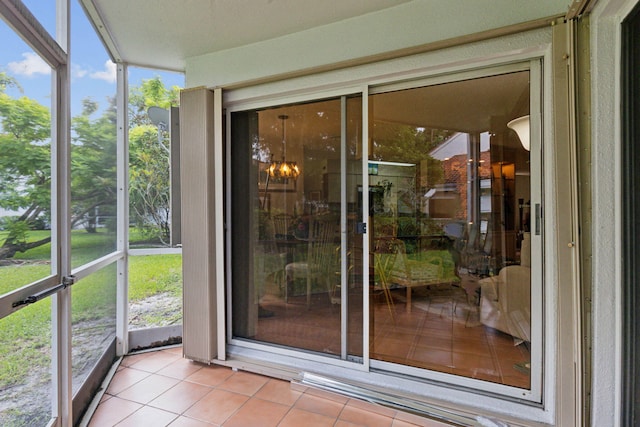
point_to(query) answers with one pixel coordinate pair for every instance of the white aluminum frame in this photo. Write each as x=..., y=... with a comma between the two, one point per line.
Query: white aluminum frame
x=342, y=95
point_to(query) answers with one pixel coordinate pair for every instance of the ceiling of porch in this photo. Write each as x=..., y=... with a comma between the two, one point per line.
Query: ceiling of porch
x=163, y=33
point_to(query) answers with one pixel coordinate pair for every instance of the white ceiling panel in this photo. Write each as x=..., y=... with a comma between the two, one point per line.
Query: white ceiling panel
x=163, y=33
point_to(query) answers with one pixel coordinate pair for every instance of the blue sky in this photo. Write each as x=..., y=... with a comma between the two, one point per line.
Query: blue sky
x=92, y=72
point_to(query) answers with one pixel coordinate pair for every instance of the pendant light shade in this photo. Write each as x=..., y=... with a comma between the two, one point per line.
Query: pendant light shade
x=283, y=168
x=521, y=127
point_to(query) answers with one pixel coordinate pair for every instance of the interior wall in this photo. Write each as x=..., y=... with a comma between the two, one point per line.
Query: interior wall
x=421, y=22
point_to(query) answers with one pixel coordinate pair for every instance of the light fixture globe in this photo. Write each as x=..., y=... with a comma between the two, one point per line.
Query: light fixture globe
x=521, y=127
x=283, y=169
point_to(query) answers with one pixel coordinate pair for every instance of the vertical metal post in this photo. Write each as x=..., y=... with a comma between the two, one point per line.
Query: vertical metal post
x=365, y=237
x=122, y=230
x=174, y=173
x=344, y=261
x=61, y=215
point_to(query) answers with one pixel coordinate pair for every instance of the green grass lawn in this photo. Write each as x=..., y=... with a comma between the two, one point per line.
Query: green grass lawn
x=25, y=336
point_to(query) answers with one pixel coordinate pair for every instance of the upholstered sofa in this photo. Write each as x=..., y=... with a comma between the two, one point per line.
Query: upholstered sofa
x=505, y=301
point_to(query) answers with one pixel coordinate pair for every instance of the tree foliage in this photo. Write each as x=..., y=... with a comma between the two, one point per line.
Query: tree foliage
x=149, y=159
x=25, y=167
x=93, y=165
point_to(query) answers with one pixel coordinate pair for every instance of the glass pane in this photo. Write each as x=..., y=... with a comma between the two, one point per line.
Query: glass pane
x=291, y=294
x=25, y=164
x=449, y=206
x=154, y=189
x=93, y=311
x=155, y=291
x=45, y=13
x=25, y=366
x=93, y=151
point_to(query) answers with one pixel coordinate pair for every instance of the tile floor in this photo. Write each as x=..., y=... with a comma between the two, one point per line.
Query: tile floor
x=161, y=388
x=442, y=333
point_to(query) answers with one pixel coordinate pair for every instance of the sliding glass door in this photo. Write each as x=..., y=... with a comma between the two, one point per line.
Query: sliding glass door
x=430, y=267
x=451, y=226
x=297, y=255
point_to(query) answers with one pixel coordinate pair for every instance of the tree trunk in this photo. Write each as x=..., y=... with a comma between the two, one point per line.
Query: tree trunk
x=8, y=250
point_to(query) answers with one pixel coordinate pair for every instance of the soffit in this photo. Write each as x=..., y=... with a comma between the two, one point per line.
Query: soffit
x=163, y=33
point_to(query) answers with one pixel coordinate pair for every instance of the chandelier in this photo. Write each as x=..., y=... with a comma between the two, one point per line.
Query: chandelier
x=283, y=168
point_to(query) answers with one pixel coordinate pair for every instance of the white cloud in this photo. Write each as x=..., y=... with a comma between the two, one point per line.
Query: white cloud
x=77, y=71
x=109, y=73
x=31, y=65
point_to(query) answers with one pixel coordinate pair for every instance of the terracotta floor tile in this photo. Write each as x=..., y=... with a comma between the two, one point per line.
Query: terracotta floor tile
x=319, y=405
x=327, y=395
x=134, y=358
x=244, y=383
x=433, y=356
x=258, y=412
x=181, y=397
x=372, y=408
x=362, y=417
x=343, y=423
x=148, y=389
x=155, y=361
x=112, y=412
x=400, y=423
x=125, y=378
x=473, y=362
x=279, y=391
x=413, y=419
x=210, y=375
x=189, y=422
x=174, y=350
x=180, y=369
x=297, y=418
x=217, y=406
x=477, y=347
x=148, y=417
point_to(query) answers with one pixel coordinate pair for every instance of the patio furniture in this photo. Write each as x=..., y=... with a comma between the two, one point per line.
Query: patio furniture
x=428, y=268
x=505, y=302
x=320, y=251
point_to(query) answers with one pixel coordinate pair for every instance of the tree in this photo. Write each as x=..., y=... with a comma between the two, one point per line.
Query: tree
x=25, y=166
x=149, y=159
x=93, y=165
